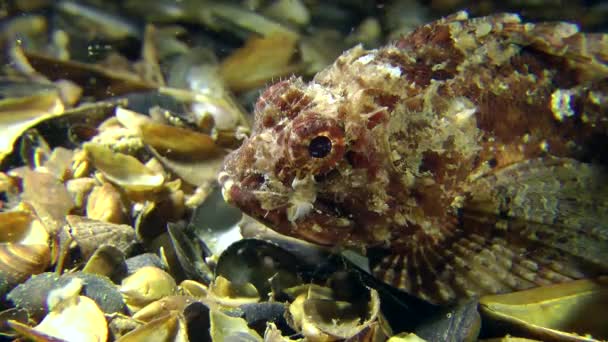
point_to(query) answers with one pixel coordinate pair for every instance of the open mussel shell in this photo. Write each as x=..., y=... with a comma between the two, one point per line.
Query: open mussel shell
x=344, y=310
x=411, y=337
x=260, y=264
x=178, y=143
x=19, y=225
x=190, y=253
x=572, y=311
x=34, y=149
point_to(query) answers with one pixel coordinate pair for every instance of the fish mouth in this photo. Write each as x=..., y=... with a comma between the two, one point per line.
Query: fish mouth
x=320, y=225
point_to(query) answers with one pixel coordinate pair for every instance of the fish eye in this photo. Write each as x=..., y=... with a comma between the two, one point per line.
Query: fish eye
x=319, y=147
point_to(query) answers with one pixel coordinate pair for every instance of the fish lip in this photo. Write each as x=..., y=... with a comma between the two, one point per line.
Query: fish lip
x=276, y=219
x=226, y=183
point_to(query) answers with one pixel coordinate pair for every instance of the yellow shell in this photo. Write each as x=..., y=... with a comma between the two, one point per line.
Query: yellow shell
x=19, y=261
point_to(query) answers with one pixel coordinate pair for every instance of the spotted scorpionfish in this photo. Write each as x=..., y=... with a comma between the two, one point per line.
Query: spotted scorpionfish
x=466, y=158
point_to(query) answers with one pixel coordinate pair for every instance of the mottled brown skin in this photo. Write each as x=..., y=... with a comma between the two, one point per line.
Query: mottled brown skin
x=466, y=154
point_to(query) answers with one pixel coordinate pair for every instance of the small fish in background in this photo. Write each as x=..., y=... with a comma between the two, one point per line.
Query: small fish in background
x=466, y=158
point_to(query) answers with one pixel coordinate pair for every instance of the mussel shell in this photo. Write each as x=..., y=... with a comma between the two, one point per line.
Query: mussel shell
x=215, y=222
x=452, y=324
x=197, y=317
x=18, y=262
x=14, y=314
x=227, y=328
x=71, y=316
x=163, y=307
x=107, y=261
x=105, y=204
x=142, y=260
x=170, y=327
x=562, y=312
x=32, y=294
x=190, y=253
x=258, y=315
x=256, y=262
x=14, y=225
x=145, y=286
x=95, y=80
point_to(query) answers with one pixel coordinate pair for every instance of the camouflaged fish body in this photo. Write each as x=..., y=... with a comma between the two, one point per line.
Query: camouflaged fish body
x=465, y=157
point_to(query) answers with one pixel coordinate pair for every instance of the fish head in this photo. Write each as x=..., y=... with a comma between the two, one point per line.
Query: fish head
x=310, y=165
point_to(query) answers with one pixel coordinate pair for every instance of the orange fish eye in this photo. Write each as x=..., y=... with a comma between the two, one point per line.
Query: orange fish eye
x=315, y=143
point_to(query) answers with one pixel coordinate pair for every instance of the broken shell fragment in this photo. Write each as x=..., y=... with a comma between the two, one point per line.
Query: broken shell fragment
x=58, y=163
x=79, y=189
x=551, y=312
x=134, y=263
x=461, y=322
x=226, y=328
x=72, y=317
x=120, y=324
x=259, y=61
x=32, y=294
x=324, y=314
x=178, y=143
x=193, y=288
x=123, y=170
x=105, y=204
x=162, y=307
x=195, y=172
x=23, y=111
x=107, y=261
x=14, y=225
x=170, y=327
x=224, y=292
x=81, y=165
x=145, y=286
x=49, y=197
